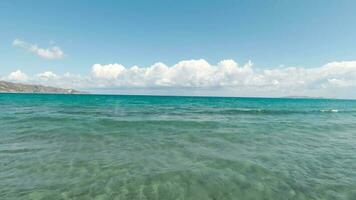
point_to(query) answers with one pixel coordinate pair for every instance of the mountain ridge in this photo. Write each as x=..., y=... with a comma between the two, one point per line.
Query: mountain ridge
x=10, y=87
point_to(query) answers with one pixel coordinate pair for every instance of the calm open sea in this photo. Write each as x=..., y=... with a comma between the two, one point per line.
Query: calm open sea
x=198, y=148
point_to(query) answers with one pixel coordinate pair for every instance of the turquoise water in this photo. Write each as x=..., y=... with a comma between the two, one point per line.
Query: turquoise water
x=146, y=147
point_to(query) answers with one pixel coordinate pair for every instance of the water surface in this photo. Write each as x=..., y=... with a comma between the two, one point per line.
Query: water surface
x=147, y=147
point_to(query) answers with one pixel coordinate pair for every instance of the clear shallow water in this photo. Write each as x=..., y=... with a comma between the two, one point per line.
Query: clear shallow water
x=141, y=147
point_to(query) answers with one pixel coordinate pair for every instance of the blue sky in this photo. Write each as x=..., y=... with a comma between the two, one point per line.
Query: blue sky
x=271, y=33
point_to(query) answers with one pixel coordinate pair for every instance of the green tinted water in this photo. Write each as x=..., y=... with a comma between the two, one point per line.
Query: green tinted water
x=141, y=147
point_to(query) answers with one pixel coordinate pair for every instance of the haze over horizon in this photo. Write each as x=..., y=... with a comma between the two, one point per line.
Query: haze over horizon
x=215, y=48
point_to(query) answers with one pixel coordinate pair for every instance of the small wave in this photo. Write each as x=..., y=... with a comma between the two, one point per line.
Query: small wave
x=269, y=111
x=330, y=110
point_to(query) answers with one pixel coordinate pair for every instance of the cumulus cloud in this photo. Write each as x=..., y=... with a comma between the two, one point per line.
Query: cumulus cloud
x=187, y=73
x=199, y=77
x=53, y=52
x=47, y=75
x=111, y=71
x=17, y=76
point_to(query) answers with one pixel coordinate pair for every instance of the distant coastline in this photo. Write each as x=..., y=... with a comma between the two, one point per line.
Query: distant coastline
x=304, y=97
x=10, y=87
x=21, y=88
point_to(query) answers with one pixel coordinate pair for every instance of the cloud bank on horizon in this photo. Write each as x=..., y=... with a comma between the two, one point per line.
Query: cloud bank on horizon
x=199, y=77
x=51, y=53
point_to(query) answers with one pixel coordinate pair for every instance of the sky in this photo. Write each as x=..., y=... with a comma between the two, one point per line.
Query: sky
x=196, y=47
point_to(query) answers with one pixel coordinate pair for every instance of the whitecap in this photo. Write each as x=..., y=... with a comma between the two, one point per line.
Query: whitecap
x=330, y=110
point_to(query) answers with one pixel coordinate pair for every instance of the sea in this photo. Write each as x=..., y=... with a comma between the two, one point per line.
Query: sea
x=176, y=148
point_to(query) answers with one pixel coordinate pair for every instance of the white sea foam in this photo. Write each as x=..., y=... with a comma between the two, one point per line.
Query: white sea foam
x=330, y=110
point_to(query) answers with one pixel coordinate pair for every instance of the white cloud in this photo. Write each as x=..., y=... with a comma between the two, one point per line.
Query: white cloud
x=17, y=76
x=47, y=75
x=110, y=71
x=187, y=73
x=53, y=52
x=198, y=77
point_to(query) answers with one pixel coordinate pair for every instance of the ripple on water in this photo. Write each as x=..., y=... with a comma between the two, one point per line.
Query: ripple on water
x=129, y=147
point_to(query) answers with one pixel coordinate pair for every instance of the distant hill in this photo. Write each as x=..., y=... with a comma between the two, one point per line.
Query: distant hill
x=9, y=87
x=302, y=97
